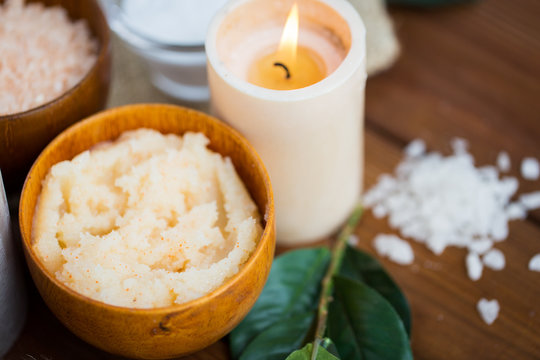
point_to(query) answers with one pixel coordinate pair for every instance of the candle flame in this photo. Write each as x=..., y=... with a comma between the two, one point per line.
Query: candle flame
x=289, y=37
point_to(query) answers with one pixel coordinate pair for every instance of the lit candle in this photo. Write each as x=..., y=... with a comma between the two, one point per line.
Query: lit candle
x=308, y=127
x=291, y=66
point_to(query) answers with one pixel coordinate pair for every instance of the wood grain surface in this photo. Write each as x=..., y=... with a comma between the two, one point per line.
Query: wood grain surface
x=471, y=71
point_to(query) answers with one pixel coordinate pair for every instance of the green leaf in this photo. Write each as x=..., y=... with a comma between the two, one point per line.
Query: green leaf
x=305, y=354
x=363, y=325
x=292, y=288
x=361, y=267
x=280, y=339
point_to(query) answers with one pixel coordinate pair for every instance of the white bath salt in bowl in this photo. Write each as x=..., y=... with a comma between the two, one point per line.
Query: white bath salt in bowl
x=42, y=54
x=394, y=248
x=149, y=220
x=488, y=309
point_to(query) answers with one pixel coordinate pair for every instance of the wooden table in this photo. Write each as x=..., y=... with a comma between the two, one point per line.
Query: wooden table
x=471, y=71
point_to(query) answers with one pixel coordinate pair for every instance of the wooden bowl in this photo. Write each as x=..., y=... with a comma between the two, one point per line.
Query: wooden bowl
x=162, y=332
x=23, y=135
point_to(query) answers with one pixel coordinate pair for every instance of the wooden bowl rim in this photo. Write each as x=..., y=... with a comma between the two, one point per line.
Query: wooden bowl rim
x=268, y=215
x=104, y=45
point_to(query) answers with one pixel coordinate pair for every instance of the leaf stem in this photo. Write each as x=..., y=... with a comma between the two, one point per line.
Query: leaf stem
x=327, y=283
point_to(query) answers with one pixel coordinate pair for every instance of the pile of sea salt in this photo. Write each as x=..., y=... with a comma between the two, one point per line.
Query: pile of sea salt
x=446, y=201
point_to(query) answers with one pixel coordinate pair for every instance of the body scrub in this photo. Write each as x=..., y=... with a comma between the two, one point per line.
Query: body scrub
x=149, y=220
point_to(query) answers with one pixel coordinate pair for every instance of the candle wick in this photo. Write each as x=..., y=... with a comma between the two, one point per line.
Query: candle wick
x=287, y=73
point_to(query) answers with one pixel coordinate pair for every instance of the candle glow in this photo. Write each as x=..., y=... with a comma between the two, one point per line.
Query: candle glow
x=291, y=66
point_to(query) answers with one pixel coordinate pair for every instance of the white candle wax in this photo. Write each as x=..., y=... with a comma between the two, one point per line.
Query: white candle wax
x=311, y=139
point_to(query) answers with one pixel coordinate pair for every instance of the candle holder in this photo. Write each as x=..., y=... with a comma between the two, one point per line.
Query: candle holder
x=310, y=138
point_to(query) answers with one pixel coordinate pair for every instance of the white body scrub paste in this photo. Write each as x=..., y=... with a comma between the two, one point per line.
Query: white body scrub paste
x=149, y=220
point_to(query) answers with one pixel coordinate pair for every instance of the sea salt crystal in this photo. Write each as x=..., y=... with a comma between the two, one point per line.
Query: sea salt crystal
x=489, y=173
x=503, y=161
x=507, y=187
x=380, y=211
x=499, y=229
x=480, y=246
x=415, y=148
x=385, y=185
x=474, y=266
x=415, y=229
x=395, y=248
x=530, y=201
x=534, y=263
x=494, y=259
x=436, y=244
x=353, y=240
x=488, y=309
x=530, y=169
x=516, y=211
x=459, y=145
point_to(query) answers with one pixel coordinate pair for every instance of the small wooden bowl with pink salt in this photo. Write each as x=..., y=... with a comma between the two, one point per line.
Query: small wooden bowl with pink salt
x=179, y=328
x=54, y=71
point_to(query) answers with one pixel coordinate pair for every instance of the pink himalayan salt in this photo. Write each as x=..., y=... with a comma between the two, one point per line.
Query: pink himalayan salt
x=42, y=54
